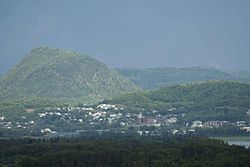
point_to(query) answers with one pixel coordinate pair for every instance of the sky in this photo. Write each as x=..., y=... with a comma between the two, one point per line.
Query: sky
x=130, y=33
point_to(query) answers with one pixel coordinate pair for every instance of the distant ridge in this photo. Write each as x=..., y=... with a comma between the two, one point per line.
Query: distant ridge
x=196, y=97
x=63, y=75
x=149, y=78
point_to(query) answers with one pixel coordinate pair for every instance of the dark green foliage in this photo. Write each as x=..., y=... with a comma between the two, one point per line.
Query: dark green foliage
x=62, y=75
x=157, y=77
x=133, y=152
x=213, y=100
x=203, y=96
x=231, y=114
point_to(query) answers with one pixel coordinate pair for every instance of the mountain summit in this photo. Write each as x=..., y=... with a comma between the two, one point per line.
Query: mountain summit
x=60, y=74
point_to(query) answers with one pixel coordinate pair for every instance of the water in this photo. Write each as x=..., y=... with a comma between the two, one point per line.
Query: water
x=240, y=143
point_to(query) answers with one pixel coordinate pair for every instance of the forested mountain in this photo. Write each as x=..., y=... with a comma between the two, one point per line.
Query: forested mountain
x=157, y=77
x=218, y=100
x=202, y=95
x=62, y=75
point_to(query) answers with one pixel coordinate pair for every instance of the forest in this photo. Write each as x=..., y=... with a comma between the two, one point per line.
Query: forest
x=217, y=100
x=179, y=151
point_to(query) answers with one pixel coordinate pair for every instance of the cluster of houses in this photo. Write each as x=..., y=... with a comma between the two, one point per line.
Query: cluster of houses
x=105, y=114
x=199, y=124
x=64, y=116
x=24, y=124
x=158, y=120
x=108, y=115
x=4, y=123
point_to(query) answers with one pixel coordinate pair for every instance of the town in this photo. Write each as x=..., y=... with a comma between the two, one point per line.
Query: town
x=63, y=121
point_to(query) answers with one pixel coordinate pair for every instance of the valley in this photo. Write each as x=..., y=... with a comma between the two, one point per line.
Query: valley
x=81, y=120
x=60, y=123
x=125, y=83
x=58, y=93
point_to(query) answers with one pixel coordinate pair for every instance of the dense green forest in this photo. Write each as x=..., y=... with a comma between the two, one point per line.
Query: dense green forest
x=217, y=100
x=62, y=75
x=192, y=96
x=157, y=77
x=116, y=151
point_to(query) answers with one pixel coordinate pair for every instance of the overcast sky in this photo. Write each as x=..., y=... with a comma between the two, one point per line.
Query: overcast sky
x=130, y=33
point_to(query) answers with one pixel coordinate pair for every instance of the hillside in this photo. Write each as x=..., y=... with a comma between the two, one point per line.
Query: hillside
x=219, y=105
x=211, y=93
x=62, y=75
x=157, y=77
x=218, y=100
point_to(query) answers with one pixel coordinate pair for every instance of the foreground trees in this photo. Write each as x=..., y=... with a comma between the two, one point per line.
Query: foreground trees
x=125, y=151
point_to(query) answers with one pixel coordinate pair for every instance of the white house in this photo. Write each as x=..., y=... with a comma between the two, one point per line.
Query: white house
x=2, y=118
x=197, y=124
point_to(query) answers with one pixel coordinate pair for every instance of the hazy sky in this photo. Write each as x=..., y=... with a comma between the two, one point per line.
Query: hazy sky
x=130, y=33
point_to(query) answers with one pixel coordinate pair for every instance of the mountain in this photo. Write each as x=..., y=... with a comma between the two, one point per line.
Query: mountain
x=157, y=77
x=200, y=95
x=216, y=100
x=62, y=75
